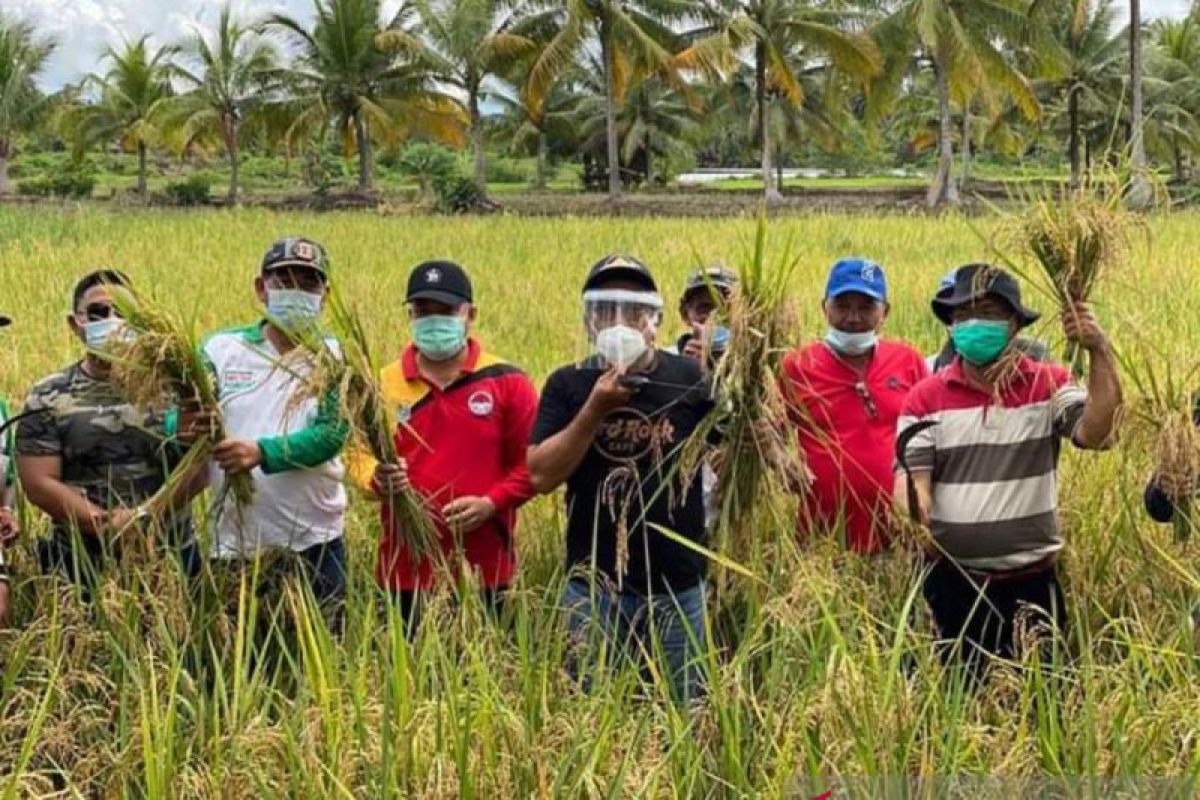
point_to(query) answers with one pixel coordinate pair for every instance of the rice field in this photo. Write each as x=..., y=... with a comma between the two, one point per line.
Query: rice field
x=824, y=674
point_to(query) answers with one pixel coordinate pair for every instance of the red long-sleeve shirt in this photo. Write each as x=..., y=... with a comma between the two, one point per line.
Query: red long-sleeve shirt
x=466, y=440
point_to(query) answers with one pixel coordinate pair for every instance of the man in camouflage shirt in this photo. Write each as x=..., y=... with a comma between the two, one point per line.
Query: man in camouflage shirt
x=85, y=456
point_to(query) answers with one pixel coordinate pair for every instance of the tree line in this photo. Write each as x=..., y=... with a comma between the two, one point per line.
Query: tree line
x=621, y=85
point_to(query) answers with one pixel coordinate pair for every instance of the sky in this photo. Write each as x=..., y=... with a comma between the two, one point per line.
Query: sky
x=84, y=27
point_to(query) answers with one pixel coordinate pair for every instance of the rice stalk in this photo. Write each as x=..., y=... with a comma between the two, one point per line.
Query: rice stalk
x=1177, y=468
x=351, y=373
x=1075, y=238
x=160, y=365
x=752, y=418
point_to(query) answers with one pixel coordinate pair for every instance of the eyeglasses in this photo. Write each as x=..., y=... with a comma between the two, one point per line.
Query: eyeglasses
x=864, y=394
x=94, y=312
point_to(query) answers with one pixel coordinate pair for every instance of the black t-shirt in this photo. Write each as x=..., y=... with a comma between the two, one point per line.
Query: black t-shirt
x=631, y=472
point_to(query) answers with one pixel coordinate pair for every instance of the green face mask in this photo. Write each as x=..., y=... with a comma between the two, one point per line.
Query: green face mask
x=980, y=341
x=439, y=337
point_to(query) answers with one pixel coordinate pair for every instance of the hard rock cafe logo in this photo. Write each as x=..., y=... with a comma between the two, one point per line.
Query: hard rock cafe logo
x=628, y=434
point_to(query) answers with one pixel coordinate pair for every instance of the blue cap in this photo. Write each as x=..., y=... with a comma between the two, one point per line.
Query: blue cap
x=857, y=275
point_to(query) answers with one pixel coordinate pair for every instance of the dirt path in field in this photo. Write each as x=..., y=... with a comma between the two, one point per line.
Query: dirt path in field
x=663, y=203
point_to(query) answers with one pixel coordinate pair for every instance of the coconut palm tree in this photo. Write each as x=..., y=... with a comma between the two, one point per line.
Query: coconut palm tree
x=787, y=39
x=1139, y=195
x=552, y=125
x=22, y=56
x=636, y=38
x=1173, y=91
x=963, y=42
x=1079, y=75
x=468, y=42
x=231, y=79
x=132, y=96
x=343, y=75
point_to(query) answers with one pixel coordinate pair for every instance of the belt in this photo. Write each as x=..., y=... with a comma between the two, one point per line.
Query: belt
x=996, y=576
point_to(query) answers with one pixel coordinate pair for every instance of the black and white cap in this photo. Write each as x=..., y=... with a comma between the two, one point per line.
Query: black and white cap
x=440, y=281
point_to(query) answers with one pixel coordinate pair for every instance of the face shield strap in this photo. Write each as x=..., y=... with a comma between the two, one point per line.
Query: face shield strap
x=627, y=297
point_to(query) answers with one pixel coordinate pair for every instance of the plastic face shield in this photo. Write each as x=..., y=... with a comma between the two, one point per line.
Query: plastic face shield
x=614, y=319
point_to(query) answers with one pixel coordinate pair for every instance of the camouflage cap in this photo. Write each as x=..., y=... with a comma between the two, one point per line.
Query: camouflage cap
x=296, y=251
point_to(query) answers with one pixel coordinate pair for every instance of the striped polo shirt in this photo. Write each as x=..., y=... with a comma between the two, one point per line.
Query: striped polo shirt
x=994, y=461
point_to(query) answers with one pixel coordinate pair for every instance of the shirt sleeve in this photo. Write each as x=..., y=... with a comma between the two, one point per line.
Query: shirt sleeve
x=555, y=409
x=360, y=466
x=37, y=433
x=308, y=447
x=520, y=411
x=1067, y=404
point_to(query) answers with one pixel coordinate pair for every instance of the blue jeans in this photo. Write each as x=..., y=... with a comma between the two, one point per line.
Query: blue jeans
x=671, y=625
x=324, y=566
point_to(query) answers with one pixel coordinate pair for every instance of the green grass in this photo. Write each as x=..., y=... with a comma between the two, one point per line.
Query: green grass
x=808, y=686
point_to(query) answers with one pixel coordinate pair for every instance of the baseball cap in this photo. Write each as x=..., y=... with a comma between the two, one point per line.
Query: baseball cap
x=857, y=275
x=718, y=277
x=296, y=251
x=440, y=281
x=975, y=281
x=619, y=267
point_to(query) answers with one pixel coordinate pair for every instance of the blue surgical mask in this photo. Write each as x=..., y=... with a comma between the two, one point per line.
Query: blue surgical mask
x=440, y=337
x=851, y=344
x=293, y=308
x=96, y=334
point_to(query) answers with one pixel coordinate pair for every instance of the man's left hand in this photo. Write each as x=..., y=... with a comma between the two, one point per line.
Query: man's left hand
x=467, y=514
x=1081, y=327
x=236, y=456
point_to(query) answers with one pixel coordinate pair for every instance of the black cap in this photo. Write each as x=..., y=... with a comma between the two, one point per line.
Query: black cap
x=974, y=282
x=718, y=277
x=440, y=281
x=296, y=251
x=619, y=267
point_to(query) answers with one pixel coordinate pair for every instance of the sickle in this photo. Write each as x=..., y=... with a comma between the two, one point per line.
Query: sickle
x=24, y=415
x=906, y=436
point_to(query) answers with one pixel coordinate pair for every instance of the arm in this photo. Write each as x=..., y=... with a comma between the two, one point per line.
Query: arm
x=307, y=447
x=41, y=477
x=515, y=488
x=1097, y=424
x=557, y=456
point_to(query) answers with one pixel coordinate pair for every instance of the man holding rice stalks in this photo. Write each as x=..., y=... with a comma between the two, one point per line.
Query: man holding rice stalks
x=982, y=465
x=465, y=416
x=86, y=456
x=705, y=293
x=285, y=437
x=1033, y=348
x=612, y=429
x=844, y=397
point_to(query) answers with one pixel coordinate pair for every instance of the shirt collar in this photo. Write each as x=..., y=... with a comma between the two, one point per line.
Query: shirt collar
x=412, y=372
x=953, y=375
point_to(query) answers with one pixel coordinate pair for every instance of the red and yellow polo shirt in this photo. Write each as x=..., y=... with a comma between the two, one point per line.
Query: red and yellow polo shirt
x=466, y=440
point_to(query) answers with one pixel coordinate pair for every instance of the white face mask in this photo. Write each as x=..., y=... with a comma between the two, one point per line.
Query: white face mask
x=851, y=344
x=98, y=333
x=621, y=346
x=293, y=308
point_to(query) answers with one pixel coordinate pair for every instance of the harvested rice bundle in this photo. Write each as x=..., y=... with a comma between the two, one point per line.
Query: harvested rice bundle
x=159, y=365
x=757, y=453
x=1177, y=467
x=1076, y=237
x=352, y=373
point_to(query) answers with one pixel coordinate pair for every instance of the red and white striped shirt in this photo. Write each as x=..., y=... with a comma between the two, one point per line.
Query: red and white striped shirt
x=994, y=461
